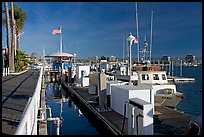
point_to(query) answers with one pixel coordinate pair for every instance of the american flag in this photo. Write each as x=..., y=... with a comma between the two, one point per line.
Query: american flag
x=136, y=41
x=56, y=31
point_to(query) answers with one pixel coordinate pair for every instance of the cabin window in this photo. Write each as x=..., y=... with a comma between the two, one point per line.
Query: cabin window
x=163, y=77
x=145, y=77
x=155, y=77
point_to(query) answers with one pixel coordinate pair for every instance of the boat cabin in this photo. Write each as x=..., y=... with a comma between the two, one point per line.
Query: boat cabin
x=152, y=77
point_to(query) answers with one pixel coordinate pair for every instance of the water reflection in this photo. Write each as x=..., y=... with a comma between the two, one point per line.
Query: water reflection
x=73, y=122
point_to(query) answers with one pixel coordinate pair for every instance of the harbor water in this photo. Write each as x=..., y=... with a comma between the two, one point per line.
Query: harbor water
x=192, y=103
x=74, y=122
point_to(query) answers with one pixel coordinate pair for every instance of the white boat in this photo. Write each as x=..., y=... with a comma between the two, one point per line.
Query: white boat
x=165, y=93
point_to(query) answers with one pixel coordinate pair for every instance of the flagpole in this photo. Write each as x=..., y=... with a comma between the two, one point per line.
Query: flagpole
x=61, y=39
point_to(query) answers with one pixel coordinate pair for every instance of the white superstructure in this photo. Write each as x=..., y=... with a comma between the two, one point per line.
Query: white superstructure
x=164, y=93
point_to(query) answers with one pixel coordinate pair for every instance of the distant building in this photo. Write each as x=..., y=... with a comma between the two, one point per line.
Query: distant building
x=165, y=59
x=94, y=59
x=190, y=59
x=103, y=59
x=112, y=59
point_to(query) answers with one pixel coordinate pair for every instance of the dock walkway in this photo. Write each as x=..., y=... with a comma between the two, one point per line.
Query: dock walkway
x=172, y=122
x=16, y=91
x=180, y=79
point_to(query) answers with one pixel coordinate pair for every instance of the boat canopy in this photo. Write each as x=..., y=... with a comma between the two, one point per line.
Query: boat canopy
x=61, y=55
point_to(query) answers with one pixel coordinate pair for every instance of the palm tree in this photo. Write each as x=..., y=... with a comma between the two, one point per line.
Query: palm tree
x=20, y=16
x=13, y=35
x=11, y=66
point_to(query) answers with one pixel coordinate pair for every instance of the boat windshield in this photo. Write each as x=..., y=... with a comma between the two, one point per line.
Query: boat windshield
x=165, y=91
x=163, y=77
x=145, y=77
x=155, y=77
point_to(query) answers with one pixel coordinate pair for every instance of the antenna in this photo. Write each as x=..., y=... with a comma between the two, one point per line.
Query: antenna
x=138, y=47
x=145, y=47
x=123, y=47
x=150, y=50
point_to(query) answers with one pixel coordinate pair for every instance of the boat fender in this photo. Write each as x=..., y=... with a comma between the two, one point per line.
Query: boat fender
x=194, y=126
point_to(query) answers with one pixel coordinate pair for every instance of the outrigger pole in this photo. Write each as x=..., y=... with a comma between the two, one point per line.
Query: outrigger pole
x=150, y=50
x=138, y=47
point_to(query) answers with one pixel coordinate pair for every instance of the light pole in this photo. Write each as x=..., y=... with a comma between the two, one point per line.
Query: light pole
x=130, y=39
x=16, y=42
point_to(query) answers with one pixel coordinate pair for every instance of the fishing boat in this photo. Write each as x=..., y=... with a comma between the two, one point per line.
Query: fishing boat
x=165, y=93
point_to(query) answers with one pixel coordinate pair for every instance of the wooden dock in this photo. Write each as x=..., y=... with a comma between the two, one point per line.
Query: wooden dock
x=43, y=124
x=172, y=122
x=53, y=75
x=16, y=90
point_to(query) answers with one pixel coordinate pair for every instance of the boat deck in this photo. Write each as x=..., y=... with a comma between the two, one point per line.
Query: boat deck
x=172, y=122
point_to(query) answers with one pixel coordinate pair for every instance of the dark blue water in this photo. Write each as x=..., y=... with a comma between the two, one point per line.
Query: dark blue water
x=192, y=103
x=73, y=121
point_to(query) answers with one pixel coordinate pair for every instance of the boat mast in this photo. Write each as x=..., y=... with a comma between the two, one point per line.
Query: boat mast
x=150, y=50
x=137, y=37
x=145, y=49
x=172, y=68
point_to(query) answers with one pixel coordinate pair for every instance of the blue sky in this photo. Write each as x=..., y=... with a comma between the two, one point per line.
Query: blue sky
x=98, y=28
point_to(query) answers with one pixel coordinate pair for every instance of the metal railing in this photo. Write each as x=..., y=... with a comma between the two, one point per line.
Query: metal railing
x=5, y=71
x=28, y=122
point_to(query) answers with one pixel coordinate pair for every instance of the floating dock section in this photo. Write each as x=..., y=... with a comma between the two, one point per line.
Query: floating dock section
x=171, y=122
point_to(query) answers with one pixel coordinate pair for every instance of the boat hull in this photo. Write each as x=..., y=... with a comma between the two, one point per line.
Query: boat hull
x=170, y=100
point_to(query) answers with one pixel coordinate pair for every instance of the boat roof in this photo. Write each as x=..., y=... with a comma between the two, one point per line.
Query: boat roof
x=61, y=55
x=151, y=72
